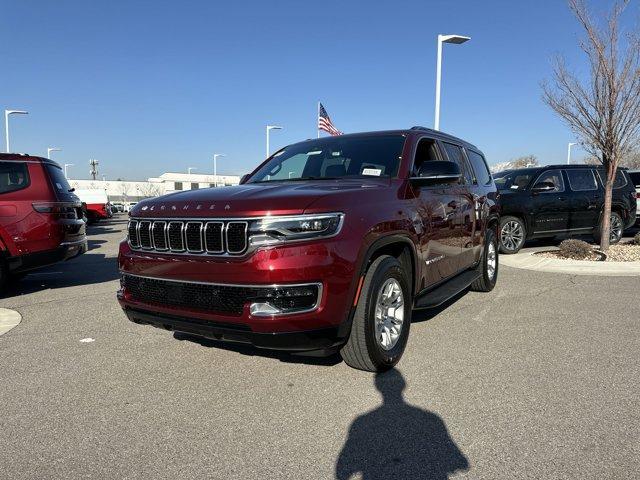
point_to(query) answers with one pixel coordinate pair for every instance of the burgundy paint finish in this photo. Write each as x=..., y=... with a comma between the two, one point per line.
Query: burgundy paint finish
x=23, y=230
x=376, y=209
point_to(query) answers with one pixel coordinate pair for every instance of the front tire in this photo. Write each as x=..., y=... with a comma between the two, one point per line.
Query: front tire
x=488, y=266
x=513, y=234
x=381, y=322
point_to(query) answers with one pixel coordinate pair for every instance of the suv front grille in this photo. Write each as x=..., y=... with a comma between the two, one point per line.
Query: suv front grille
x=216, y=237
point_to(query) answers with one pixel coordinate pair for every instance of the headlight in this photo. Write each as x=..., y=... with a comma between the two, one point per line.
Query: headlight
x=275, y=230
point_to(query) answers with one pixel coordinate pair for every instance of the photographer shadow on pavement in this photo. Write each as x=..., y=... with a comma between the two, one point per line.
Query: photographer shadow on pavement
x=398, y=440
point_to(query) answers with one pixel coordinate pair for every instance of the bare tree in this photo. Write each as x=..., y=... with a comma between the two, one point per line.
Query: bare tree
x=150, y=190
x=603, y=110
x=524, y=162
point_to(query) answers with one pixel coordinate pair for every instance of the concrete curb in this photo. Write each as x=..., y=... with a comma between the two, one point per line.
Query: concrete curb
x=8, y=320
x=529, y=261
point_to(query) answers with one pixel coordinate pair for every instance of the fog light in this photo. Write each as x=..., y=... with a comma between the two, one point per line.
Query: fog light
x=282, y=300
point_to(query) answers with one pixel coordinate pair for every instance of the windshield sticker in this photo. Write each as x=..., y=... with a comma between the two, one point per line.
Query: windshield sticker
x=371, y=171
x=315, y=152
x=514, y=187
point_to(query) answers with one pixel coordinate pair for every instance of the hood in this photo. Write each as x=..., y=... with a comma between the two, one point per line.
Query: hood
x=250, y=200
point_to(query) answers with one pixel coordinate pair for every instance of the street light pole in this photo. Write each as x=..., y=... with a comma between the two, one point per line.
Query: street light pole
x=65, y=169
x=52, y=149
x=569, y=145
x=269, y=128
x=6, y=123
x=457, y=39
x=215, y=166
x=189, y=170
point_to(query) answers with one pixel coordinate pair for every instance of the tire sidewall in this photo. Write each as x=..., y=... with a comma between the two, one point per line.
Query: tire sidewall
x=490, y=237
x=389, y=268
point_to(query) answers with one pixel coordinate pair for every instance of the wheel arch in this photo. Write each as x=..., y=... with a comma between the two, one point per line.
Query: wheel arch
x=399, y=246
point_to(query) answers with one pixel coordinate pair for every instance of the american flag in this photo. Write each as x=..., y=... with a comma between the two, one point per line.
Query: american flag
x=324, y=122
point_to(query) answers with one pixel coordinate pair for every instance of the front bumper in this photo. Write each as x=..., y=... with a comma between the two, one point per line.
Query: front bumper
x=330, y=264
x=300, y=341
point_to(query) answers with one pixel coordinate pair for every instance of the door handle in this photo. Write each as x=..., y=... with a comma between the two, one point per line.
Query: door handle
x=562, y=199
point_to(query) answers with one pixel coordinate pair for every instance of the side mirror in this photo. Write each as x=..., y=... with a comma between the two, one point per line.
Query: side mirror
x=437, y=171
x=244, y=178
x=543, y=187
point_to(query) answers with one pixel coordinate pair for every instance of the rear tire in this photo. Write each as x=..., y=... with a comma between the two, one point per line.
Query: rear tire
x=4, y=275
x=617, y=229
x=513, y=234
x=488, y=266
x=379, y=331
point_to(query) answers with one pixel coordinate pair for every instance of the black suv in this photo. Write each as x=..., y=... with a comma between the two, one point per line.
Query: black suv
x=558, y=200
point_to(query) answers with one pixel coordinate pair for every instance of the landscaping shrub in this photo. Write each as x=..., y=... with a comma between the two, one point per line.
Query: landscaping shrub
x=575, y=249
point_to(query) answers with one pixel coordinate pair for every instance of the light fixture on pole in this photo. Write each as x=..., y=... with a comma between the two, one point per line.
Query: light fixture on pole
x=65, y=169
x=215, y=166
x=6, y=123
x=269, y=128
x=52, y=149
x=569, y=145
x=457, y=39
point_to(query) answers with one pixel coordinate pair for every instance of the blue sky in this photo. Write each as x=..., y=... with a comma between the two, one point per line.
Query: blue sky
x=154, y=86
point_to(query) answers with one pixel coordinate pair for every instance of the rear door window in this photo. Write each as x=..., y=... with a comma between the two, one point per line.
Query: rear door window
x=454, y=152
x=13, y=176
x=635, y=178
x=480, y=169
x=581, y=179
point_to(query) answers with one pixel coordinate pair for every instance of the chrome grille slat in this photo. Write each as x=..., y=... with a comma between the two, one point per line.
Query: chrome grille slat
x=214, y=237
x=236, y=237
x=190, y=236
x=144, y=234
x=175, y=236
x=159, y=235
x=193, y=237
x=134, y=241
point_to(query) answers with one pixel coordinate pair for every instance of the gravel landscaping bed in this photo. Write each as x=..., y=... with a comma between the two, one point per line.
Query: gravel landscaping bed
x=622, y=252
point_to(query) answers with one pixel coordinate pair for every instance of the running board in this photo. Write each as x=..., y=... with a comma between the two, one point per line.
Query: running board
x=449, y=289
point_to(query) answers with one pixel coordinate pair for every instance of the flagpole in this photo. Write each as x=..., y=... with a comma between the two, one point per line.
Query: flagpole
x=318, y=119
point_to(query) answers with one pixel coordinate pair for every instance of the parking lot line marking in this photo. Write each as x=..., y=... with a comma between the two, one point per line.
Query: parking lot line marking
x=8, y=320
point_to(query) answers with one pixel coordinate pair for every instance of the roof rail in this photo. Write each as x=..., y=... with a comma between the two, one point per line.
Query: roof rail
x=418, y=127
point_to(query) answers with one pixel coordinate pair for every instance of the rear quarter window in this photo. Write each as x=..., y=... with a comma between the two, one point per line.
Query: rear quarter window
x=13, y=176
x=635, y=178
x=619, y=182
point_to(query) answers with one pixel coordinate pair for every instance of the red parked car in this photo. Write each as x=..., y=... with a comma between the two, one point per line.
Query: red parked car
x=328, y=245
x=40, y=217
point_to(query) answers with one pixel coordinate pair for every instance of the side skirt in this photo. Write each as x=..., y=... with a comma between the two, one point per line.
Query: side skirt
x=442, y=293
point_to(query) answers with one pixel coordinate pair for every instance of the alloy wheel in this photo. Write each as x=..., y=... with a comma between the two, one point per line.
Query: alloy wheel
x=512, y=235
x=492, y=260
x=616, y=228
x=389, y=314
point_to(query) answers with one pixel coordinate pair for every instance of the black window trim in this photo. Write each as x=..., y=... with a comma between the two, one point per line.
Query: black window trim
x=28, y=184
x=601, y=172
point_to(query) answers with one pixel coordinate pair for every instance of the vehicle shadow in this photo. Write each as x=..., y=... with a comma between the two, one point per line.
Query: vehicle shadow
x=248, y=350
x=398, y=440
x=87, y=269
x=426, y=314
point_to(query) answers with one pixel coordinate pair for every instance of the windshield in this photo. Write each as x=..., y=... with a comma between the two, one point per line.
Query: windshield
x=335, y=157
x=517, y=180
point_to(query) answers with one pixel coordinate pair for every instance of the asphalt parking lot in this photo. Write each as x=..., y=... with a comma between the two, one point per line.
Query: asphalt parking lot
x=538, y=379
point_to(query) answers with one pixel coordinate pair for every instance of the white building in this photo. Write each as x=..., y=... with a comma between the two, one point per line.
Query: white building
x=125, y=191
